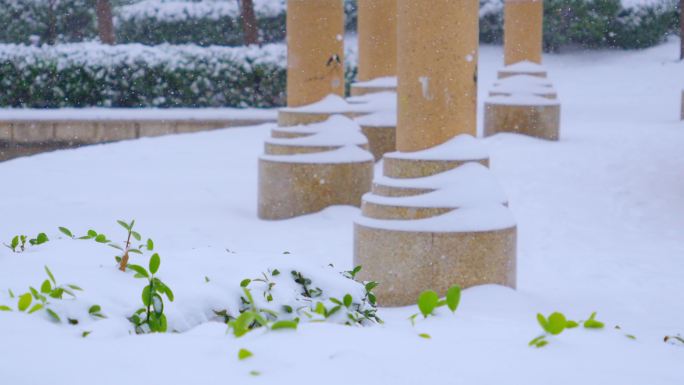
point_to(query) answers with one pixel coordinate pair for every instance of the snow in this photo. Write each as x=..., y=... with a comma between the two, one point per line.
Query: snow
x=335, y=104
x=524, y=66
x=467, y=219
x=182, y=10
x=522, y=99
x=347, y=154
x=599, y=214
x=460, y=147
x=137, y=114
x=378, y=119
x=336, y=131
x=381, y=82
x=465, y=185
x=308, y=129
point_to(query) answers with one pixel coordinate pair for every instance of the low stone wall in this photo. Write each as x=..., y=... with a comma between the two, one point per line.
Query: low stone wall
x=26, y=137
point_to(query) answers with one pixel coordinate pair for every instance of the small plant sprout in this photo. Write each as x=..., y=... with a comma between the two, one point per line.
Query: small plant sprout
x=674, y=340
x=35, y=300
x=151, y=318
x=556, y=323
x=126, y=250
x=429, y=301
x=19, y=242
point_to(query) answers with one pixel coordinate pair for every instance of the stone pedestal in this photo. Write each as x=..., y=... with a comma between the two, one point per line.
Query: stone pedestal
x=305, y=169
x=523, y=101
x=437, y=220
x=380, y=129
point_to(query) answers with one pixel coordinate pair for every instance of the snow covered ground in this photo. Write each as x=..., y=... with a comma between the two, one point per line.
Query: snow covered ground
x=600, y=214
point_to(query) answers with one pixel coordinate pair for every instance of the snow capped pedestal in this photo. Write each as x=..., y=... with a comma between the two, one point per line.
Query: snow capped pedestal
x=436, y=218
x=307, y=168
x=523, y=101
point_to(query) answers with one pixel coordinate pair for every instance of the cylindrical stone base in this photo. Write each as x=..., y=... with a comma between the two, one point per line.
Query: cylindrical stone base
x=408, y=263
x=287, y=118
x=381, y=140
x=541, y=121
x=289, y=189
x=418, y=168
x=360, y=91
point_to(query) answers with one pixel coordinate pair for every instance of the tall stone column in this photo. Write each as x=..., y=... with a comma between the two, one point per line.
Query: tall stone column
x=523, y=100
x=377, y=35
x=315, y=158
x=523, y=31
x=315, y=50
x=437, y=71
x=436, y=217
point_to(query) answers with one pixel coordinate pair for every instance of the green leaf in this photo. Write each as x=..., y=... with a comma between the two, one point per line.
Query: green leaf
x=241, y=323
x=541, y=344
x=592, y=323
x=10, y=292
x=54, y=315
x=94, y=309
x=24, y=301
x=244, y=354
x=284, y=325
x=101, y=238
x=57, y=293
x=136, y=235
x=542, y=321
x=135, y=251
x=85, y=333
x=536, y=340
x=42, y=238
x=66, y=232
x=146, y=295
x=254, y=373
x=74, y=287
x=424, y=335
x=15, y=242
x=114, y=245
x=371, y=285
x=320, y=309
x=139, y=269
x=556, y=323
x=49, y=273
x=453, y=298
x=5, y=308
x=631, y=336
x=347, y=300
x=46, y=287
x=124, y=224
x=275, y=272
x=571, y=324
x=150, y=244
x=288, y=309
x=155, y=261
x=245, y=282
x=427, y=301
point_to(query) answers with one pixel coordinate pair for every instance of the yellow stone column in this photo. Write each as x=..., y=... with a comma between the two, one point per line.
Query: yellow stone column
x=437, y=86
x=377, y=34
x=523, y=23
x=315, y=50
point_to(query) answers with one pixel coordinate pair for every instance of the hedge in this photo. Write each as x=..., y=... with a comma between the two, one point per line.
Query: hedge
x=134, y=75
x=584, y=23
x=592, y=23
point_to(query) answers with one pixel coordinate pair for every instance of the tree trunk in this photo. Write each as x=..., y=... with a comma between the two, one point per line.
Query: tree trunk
x=105, y=25
x=249, y=23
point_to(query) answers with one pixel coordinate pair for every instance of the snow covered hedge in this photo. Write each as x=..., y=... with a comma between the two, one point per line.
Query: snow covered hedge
x=205, y=23
x=134, y=75
x=592, y=23
x=586, y=23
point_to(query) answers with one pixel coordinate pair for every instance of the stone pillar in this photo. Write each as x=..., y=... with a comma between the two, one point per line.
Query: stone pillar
x=437, y=71
x=523, y=24
x=315, y=50
x=377, y=35
x=523, y=100
x=420, y=227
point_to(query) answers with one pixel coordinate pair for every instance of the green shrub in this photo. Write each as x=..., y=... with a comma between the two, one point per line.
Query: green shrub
x=25, y=21
x=90, y=74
